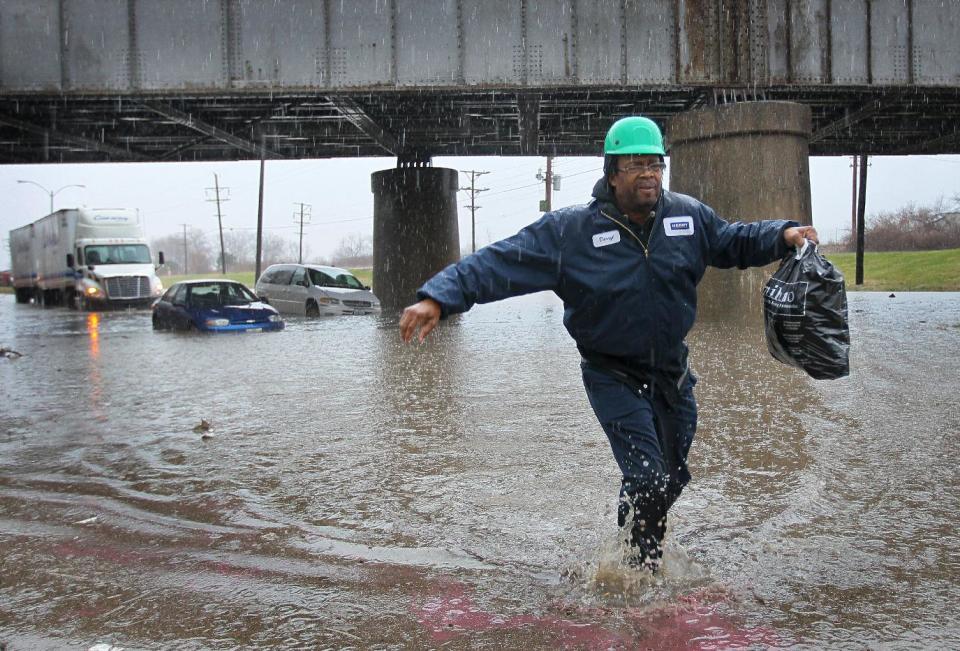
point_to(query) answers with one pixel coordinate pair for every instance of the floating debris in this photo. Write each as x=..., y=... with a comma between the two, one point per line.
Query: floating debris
x=203, y=429
x=9, y=353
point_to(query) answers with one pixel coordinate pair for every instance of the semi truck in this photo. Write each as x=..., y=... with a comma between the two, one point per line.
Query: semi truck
x=85, y=258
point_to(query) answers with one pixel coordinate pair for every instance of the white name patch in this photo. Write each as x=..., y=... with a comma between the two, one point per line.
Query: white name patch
x=606, y=239
x=678, y=226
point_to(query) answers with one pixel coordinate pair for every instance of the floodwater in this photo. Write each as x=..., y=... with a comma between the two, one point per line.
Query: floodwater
x=355, y=493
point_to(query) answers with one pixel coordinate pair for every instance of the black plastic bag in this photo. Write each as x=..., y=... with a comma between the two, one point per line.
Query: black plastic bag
x=805, y=312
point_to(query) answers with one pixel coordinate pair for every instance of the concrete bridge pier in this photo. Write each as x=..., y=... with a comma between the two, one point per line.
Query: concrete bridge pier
x=748, y=161
x=415, y=231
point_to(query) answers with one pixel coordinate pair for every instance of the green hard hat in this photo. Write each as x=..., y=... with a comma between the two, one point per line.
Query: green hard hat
x=634, y=135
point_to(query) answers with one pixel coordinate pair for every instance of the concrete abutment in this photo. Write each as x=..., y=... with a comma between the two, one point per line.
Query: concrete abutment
x=415, y=230
x=748, y=161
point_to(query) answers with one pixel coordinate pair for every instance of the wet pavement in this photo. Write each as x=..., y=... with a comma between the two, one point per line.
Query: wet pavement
x=355, y=493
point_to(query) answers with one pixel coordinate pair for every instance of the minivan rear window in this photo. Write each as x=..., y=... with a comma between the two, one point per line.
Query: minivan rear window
x=279, y=276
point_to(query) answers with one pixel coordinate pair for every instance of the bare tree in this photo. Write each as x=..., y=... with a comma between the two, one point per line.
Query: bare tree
x=241, y=249
x=913, y=228
x=277, y=249
x=354, y=250
x=195, y=246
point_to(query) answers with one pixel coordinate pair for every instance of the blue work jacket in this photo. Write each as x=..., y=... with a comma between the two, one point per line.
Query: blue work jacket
x=622, y=299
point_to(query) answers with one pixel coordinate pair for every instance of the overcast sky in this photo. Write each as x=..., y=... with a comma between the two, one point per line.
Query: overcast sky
x=170, y=194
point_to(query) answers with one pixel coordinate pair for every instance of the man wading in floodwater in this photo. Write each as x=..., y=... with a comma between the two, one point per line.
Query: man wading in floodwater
x=626, y=266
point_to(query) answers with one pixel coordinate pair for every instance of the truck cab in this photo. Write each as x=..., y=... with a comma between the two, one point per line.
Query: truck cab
x=87, y=258
x=111, y=261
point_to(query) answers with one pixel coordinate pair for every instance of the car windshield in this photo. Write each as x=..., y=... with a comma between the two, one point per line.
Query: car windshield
x=337, y=278
x=117, y=254
x=220, y=294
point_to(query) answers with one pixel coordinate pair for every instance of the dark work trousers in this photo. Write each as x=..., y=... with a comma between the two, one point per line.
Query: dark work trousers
x=650, y=435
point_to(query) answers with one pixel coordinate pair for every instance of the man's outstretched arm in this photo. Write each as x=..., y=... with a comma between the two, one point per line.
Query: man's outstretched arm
x=521, y=264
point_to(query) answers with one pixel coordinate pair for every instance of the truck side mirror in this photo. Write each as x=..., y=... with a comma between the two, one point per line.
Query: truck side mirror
x=70, y=260
x=160, y=258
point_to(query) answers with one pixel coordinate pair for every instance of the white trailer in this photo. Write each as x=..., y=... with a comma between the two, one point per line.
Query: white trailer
x=86, y=258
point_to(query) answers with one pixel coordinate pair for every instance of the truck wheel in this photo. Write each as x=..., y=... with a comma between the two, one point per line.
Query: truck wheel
x=312, y=309
x=23, y=294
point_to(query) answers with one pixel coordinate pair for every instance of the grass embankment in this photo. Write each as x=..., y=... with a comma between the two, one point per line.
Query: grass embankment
x=902, y=271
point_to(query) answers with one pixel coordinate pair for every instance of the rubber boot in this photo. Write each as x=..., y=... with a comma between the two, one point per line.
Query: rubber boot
x=644, y=514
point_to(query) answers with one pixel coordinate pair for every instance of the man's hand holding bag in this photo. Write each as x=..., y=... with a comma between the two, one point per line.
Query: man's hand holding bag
x=805, y=315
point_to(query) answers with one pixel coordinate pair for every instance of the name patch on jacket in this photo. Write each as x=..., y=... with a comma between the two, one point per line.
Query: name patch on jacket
x=678, y=226
x=606, y=239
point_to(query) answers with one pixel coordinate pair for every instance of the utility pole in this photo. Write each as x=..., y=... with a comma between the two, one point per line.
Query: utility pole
x=548, y=183
x=861, y=210
x=473, y=190
x=551, y=181
x=302, y=218
x=184, y=248
x=256, y=268
x=853, y=212
x=220, y=194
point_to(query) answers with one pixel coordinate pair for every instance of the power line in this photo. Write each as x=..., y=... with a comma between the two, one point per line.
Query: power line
x=473, y=190
x=303, y=218
x=218, y=198
x=185, y=247
x=521, y=187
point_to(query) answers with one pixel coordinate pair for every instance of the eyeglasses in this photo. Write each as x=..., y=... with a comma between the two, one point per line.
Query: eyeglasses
x=637, y=168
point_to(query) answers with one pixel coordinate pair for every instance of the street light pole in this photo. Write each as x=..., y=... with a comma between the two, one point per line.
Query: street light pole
x=52, y=193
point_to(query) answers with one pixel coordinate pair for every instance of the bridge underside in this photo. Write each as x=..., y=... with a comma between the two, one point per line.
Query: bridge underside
x=415, y=125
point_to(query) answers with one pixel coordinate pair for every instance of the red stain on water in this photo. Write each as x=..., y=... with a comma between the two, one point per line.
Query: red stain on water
x=453, y=613
x=695, y=621
x=692, y=622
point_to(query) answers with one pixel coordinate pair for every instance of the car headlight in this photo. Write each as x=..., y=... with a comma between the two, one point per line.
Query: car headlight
x=93, y=291
x=326, y=300
x=274, y=317
x=217, y=323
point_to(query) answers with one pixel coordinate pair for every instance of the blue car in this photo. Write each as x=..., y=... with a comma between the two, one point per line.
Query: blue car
x=215, y=305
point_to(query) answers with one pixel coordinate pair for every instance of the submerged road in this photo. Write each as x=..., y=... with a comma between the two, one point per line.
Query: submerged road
x=355, y=493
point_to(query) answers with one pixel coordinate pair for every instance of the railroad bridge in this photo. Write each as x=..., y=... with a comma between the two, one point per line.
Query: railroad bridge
x=744, y=89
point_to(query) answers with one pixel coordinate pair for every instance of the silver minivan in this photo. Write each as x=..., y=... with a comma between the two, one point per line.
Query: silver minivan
x=315, y=290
